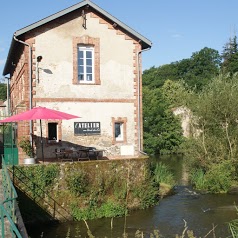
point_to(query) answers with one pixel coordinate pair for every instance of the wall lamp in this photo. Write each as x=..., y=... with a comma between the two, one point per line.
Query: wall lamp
x=48, y=71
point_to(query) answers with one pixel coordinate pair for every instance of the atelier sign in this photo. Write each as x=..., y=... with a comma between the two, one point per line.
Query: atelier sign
x=87, y=128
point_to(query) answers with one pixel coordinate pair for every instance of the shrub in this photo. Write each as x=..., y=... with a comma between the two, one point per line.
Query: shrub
x=37, y=179
x=163, y=175
x=218, y=178
x=198, y=180
x=77, y=183
x=147, y=193
x=111, y=209
x=107, y=209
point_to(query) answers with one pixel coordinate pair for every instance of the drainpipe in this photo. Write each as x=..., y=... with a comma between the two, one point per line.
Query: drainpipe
x=138, y=99
x=8, y=96
x=30, y=78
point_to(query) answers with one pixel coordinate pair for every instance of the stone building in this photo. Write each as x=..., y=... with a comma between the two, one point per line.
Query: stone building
x=85, y=62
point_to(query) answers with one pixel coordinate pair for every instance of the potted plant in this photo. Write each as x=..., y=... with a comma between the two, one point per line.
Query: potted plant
x=26, y=146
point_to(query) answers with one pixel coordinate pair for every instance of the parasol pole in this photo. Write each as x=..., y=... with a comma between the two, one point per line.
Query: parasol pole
x=41, y=142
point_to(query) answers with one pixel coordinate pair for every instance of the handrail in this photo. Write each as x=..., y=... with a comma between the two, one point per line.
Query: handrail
x=9, y=208
x=17, y=179
x=13, y=228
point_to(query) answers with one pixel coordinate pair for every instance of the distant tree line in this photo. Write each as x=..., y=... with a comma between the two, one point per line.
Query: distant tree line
x=3, y=90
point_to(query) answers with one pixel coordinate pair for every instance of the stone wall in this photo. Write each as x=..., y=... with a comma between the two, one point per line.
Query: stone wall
x=106, y=181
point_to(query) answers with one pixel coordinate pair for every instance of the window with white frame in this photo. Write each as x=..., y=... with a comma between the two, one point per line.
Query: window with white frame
x=118, y=131
x=85, y=64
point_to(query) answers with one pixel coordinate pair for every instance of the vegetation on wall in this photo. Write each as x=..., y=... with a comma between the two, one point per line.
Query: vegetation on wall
x=94, y=189
x=42, y=176
x=112, y=191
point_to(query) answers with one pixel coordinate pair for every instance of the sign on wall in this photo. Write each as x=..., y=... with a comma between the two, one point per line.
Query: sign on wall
x=81, y=128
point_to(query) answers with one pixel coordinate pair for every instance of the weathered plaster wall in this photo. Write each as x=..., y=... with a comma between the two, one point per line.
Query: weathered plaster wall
x=114, y=97
x=116, y=62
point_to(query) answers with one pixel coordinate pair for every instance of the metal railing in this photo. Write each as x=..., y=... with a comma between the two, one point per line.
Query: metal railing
x=11, y=220
x=39, y=196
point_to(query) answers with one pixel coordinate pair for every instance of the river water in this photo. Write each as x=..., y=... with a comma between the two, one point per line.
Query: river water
x=201, y=213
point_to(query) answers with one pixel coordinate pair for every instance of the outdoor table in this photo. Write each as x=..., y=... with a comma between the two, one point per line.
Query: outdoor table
x=64, y=155
x=87, y=152
x=97, y=153
x=81, y=152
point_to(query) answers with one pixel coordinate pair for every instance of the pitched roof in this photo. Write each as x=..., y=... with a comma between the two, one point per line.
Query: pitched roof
x=144, y=41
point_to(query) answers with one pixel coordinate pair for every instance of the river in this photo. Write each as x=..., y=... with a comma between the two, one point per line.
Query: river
x=201, y=213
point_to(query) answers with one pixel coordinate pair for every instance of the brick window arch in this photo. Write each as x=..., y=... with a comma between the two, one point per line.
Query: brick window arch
x=119, y=130
x=86, y=41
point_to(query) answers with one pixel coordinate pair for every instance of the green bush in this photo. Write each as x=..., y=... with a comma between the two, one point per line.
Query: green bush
x=36, y=179
x=107, y=209
x=163, y=175
x=111, y=209
x=147, y=193
x=217, y=179
x=198, y=180
x=77, y=182
x=120, y=188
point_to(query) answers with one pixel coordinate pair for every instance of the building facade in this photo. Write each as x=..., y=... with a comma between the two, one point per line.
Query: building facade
x=85, y=62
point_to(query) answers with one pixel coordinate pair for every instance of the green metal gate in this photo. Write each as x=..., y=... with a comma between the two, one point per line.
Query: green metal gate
x=10, y=150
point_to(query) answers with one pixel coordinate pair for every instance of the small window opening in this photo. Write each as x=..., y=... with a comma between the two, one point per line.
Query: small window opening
x=119, y=131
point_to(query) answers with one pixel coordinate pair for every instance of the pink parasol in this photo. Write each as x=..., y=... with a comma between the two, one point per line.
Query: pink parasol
x=39, y=113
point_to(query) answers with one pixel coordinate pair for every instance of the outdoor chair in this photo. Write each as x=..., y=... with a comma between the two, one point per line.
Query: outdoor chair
x=59, y=156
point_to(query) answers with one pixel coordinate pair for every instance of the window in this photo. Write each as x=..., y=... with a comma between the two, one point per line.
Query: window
x=119, y=127
x=52, y=131
x=86, y=60
x=85, y=64
x=118, y=131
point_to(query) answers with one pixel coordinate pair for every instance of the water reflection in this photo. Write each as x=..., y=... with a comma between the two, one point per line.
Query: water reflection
x=201, y=212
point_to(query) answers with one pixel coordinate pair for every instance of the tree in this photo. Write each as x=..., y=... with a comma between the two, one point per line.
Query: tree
x=155, y=77
x=162, y=130
x=175, y=93
x=215, y=112
x=196, y=71
x=230, y=57
x=202, y=67
x=3, y=91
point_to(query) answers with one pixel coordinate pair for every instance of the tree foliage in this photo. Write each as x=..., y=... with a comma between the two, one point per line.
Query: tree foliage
x=166, y=87
x=230, y=57
x=162, y=131
x=3, y=91
x=207, y=85
x=196, y=71
x=215, y=118
x=171, y=85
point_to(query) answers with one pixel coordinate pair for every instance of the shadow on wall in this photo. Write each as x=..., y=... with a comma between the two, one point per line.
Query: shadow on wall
x=50, y=148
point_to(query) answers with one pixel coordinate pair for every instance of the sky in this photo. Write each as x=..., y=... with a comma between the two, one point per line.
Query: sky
x=176, y=28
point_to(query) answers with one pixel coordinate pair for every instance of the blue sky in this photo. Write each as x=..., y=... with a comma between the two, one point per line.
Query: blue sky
x=177, y=28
